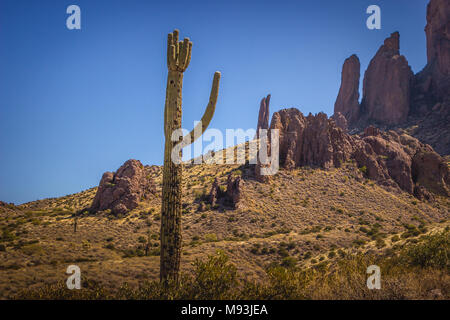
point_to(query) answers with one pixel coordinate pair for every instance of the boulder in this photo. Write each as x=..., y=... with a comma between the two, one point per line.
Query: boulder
x=123, y=190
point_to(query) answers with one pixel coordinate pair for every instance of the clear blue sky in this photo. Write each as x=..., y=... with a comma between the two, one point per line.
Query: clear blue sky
x=76, y=103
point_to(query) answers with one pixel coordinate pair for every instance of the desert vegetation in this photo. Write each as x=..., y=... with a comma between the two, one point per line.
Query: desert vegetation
x=415, y=270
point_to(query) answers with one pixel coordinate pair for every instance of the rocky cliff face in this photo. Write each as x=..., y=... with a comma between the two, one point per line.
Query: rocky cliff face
x=393, y=98
x=263, y=116
x=347, y=102
x=387, y=85
x=432, y=84
x=390, y=158
x=123, y=190
x=438, y=46
x=311, y=140
x=340, y=121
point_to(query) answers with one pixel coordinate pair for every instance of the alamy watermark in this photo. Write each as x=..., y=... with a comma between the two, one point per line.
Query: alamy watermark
x=74, y=280
x=74, y=20
x=374, y=20
x=374, y=280
x=260, y=151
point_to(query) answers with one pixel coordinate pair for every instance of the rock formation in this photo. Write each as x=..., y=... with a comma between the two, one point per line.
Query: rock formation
x=263, y=116
x=263, y=123
x=347, y=102
x=432, y=84
x=390, y=158
x=340, y=121
x=232, y=195
x=387, y=85
x=311, y=140
x=393, y=97
x=438, y=48
x=412, y=165
x=123, y=190
x=430, y=105
x=214, y=192
x=234, y=190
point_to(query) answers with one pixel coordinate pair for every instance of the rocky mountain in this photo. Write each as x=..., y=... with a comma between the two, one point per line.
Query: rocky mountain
x=393, y=97
x=391, y=158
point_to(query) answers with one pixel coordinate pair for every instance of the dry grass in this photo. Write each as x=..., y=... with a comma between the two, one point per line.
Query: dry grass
x=310, y=215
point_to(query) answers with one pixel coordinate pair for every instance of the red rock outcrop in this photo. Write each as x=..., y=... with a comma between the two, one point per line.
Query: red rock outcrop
x=387, y=85
x=263, y=116
x=432, y=84
x=406, y=161
x=263, y=123
x=311, y=140
x=340, y=121
x=430, y=105
x=123, y=190
x=214, y=192
x=347, y=102
x=438, y=45
x=232, y=195
x=234, y=190
x=389, y=158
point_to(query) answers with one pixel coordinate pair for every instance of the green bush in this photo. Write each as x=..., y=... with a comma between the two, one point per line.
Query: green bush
x=433, y=252
x=213, y=278
x=408, y=273
x=289, y=262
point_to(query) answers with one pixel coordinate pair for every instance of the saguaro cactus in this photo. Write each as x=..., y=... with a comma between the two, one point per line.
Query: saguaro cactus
x=178, y=58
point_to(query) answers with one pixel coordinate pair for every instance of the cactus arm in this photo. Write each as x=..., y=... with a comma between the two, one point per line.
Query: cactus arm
x=209, y=112
x=184, y=48
x=188, y=60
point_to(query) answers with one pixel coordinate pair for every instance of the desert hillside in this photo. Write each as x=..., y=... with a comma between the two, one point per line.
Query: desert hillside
x=306, y=215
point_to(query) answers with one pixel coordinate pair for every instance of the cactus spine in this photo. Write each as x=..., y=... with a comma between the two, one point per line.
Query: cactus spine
x=178, y=58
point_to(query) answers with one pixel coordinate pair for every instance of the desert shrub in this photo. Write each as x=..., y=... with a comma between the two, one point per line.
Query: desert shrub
x=380, y=243
x=289, y=262
x=142, y=239
x=211, y=237
x=433, y=252
x=411, y=273
x=282, y=251
x=307, y=255
x=110, y=246
x=213, y=278
x=32, y=249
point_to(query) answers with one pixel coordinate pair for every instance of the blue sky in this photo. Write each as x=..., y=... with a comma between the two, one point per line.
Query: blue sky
x=76, y=103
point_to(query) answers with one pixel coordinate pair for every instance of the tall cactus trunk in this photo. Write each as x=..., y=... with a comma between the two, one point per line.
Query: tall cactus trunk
x=172, y=179
x=178, y=58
